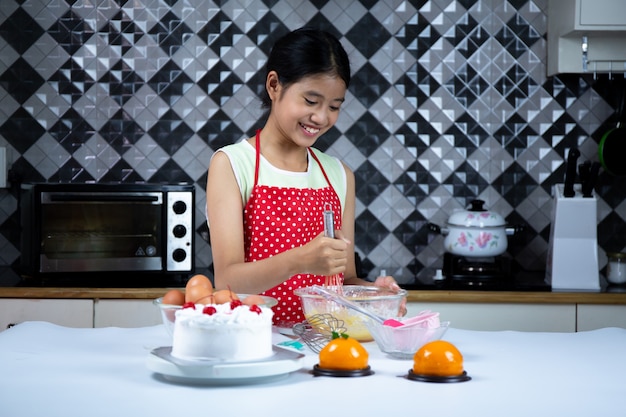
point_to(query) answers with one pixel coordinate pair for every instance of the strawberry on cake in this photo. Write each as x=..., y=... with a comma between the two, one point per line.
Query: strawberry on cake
x=229, y=332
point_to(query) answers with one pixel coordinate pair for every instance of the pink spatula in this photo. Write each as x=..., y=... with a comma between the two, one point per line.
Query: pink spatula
x=331, y=295
x=425, y=318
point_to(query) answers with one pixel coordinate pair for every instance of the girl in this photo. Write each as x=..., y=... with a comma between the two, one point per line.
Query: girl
x=266, y=195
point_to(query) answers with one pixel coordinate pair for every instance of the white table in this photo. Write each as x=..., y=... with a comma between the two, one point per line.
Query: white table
x=48, y=370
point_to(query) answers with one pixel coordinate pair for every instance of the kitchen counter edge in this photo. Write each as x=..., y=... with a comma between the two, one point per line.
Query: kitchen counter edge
x=444, y=296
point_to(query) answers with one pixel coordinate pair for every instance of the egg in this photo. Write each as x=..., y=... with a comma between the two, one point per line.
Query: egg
x=224, y=296
x=199, y=279
x=174, y=297
x=253, y=299
x=209, y=299
x=195, y=293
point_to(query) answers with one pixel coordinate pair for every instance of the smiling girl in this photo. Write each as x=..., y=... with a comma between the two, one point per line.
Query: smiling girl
x=266, y=195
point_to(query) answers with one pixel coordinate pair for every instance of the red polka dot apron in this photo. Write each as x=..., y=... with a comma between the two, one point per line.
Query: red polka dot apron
x=277, y=219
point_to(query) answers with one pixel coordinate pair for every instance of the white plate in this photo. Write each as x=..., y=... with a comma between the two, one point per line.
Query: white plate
x=286, y=331
x=281, y=363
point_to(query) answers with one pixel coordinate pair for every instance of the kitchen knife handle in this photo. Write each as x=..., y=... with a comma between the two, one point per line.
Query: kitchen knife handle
x=591, y=181
x=570, y=173
x=584, y=172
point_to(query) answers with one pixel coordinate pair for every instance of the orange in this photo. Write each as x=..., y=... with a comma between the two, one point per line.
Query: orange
x=438, y=358
x=343, y=354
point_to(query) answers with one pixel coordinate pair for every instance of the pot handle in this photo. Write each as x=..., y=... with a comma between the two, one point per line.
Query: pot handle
x=514, y=230
x=434, y=228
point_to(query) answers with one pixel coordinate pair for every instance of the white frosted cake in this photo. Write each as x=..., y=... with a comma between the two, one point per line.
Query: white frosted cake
x=222, y=332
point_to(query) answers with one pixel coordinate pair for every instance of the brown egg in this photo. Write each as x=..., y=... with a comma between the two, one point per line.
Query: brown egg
x=209, y=299
x=196, y=292
x=199, y=279
x=224, y=296
x=174, y=297
x=253, y=299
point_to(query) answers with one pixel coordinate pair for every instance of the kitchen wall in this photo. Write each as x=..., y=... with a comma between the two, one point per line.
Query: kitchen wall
x=449, y=102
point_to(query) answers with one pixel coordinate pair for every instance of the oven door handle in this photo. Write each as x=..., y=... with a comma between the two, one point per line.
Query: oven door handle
x=107, y=198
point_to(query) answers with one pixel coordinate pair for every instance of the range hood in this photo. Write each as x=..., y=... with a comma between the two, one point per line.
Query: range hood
x=586, y=36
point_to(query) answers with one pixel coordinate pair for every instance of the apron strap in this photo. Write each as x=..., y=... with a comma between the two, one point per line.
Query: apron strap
x=257, y=142
x=321, y=167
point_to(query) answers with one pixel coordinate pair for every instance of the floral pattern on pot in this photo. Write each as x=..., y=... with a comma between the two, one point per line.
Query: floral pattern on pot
x=478, y=219
x=475, y=241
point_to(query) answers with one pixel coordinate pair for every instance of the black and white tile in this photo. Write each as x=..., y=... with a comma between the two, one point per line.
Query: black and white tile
x=449, y=102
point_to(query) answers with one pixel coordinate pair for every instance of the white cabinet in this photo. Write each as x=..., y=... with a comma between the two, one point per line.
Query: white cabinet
x=586, y=36
x=488, y=316
x=65, y=312
x=588, y=15
x=540, y=317
x=126, y=313
x=594, y=316
x=79, y=312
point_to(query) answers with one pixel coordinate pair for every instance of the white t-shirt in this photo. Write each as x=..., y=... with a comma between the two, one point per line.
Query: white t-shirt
x=242, y=156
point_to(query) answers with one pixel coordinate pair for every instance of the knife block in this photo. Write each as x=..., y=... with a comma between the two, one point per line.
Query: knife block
x=572, y=262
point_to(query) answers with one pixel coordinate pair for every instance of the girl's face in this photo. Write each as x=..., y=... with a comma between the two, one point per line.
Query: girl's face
x=308, y=108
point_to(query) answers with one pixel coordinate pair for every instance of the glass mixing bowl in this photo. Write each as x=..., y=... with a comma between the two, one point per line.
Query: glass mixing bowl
x=402, y=342
x=168, y=311
x=381, y=301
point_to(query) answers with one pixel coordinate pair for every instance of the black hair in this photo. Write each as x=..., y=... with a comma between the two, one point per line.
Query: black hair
x=304, y=52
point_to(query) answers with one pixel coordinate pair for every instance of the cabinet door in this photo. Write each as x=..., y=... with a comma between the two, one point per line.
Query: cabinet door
x=592, y=316
x=600, y=21
x=598, y=14
x=487, y=316
x=70, y=313
x=126, y=313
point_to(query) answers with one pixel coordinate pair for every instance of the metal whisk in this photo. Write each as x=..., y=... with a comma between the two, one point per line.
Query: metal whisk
x=318, y=330
x=333, y=281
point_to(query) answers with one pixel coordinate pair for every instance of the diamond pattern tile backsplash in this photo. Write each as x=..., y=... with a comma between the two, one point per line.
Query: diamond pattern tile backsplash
x=450, y=102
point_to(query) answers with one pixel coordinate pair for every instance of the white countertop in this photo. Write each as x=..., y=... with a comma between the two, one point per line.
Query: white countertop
x=50, y=370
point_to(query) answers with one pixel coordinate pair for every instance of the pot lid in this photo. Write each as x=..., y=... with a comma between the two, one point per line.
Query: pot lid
x=476, y=216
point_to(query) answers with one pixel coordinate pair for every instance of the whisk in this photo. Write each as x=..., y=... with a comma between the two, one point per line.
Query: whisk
x=317, y=330
x=333, y=281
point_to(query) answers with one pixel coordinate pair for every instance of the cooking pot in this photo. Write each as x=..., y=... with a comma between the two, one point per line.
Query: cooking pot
x=612, y=146
x=475, y=232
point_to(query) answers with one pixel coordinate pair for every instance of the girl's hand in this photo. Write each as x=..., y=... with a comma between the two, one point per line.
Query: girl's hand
x=324, y=255
x=390, y=283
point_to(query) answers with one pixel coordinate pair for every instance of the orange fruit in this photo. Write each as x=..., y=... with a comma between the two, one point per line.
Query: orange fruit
x=343, y=353
x=438, y=358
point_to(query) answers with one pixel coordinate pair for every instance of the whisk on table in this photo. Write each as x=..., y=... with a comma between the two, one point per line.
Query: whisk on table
x=317, y=330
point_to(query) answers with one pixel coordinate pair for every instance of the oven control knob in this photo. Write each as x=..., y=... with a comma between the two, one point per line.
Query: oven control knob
x=179, y=255
x=179, y=230
x=179, y=207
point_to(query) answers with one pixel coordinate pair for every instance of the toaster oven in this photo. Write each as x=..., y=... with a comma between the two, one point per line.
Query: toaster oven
x=107, y=228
